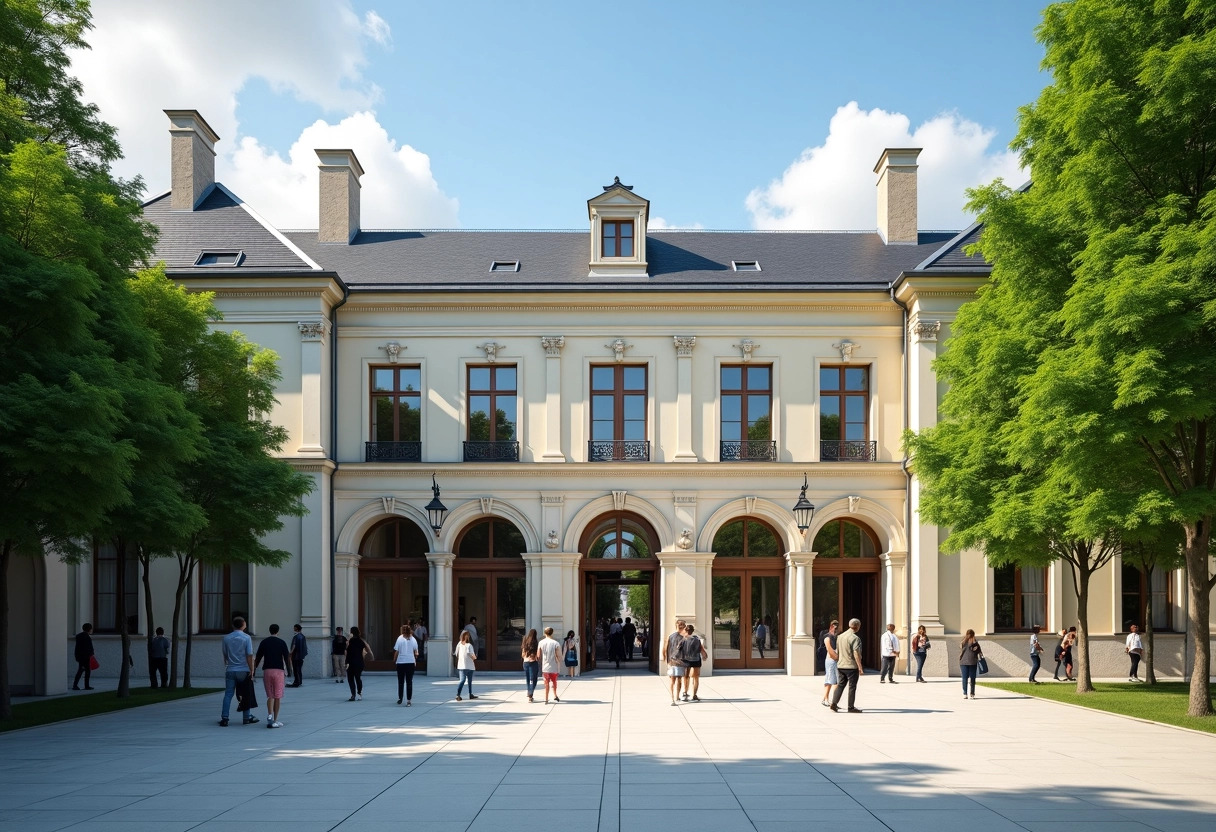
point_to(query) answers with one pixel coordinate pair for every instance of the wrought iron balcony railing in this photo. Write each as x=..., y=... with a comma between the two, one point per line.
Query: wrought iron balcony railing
x=482, y=451
x=749, y=450
x=393, y=452
x=618, y=450
x=848, y=450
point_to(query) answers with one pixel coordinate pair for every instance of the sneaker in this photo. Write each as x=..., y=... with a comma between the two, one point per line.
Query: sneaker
x=269, y=724
x=224, y=722
x=530, y=699
x=973, y=696
x=882, y=681
x=835, y=710
x=409, y=704
x=673, y=703
x=359, y=697
x=352, y=699
x=458, y=697
x=250, y=720
x=685, y=697
x=276, y=724
x=398, y=701
x=894, y=682
x=823, y=702
x=696, y=698
x=471, y=696
x=556, y=698
x=854, y=710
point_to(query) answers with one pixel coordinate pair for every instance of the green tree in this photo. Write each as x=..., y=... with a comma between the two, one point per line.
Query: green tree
x=1156, y=549
x=1124, y=143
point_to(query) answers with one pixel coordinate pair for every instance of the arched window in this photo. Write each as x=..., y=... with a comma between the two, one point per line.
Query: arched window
x=622, y=536
x=746, y=538
x=491, y=539
x=394, y=538
x=846, y=539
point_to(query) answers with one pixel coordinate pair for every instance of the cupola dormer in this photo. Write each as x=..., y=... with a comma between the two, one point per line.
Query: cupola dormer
x=618, y=232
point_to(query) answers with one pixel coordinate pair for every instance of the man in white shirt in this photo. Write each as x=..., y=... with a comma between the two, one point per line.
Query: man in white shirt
x=1135, y=649
x=550, y=650
x=890, y=653
x=471, y=629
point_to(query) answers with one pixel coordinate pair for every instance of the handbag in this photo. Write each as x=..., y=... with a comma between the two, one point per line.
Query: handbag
x=981, y=666
x=93, y=663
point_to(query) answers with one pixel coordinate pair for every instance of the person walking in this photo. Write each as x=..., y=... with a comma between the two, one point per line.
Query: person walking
x=969, y=656
x=273, y=655
x=1134, y=648
x=831, y=674
x=466, y=662
x=760, y=636
x=692, y=651
x=570, y=646
x=889, y=650
x=630, y=632
x=299, y=650
x=237, y=651
x=1058, y=655
x=528, y=652
x=848, y=665
x=421, y=634
x=920, y=650
x=405, y=657
x=1070, y=638
x=357, y=652
x=676, y=671
x=84, y=657
x=338, y=656
x=1036, y=650
x=616, y=642
x=550, y=664
x=158, y=659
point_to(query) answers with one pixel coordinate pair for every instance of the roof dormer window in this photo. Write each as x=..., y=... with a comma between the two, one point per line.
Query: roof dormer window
x=220, y=258
x=618, y=238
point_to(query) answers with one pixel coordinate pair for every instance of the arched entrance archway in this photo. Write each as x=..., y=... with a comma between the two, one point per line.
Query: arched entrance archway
x=748, y=596
x=618, y=571
x=846, y=580
x=490, y=587
x=394, y=586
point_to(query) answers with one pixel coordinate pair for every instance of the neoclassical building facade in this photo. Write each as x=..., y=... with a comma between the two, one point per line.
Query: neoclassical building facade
x=617, y=421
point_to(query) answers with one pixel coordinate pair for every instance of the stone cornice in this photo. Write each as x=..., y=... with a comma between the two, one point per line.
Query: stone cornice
x=312, y=466
x=633, y=472
x=685, y=558
x=354, y=307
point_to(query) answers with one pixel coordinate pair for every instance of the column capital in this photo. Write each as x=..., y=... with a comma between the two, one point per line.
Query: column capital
x=541, y=558
x=684, y=345
x=685, y=558
x=800, y=558
x=314, y=330
x=346, y=560
x=893, y=558
x=924, y=331
x=553, y=345
x=441, y=558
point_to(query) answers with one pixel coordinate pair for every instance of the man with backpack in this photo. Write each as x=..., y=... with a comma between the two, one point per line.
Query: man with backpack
x=692, y=651
x=676, y=671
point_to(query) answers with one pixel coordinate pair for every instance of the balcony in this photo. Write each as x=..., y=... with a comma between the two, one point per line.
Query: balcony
x=848, y=450
x=749, y=450
x=393, y=452
x=482, y=451
x=618, y=450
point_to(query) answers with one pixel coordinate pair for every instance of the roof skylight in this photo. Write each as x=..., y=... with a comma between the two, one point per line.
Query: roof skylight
x=745, y=265
x=220, y=258
x=504, y=266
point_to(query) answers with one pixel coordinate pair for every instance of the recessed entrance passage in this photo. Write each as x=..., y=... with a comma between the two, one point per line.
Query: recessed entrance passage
x=491, y=592
x=394, y=587
x=618, y=571
x=845, y=583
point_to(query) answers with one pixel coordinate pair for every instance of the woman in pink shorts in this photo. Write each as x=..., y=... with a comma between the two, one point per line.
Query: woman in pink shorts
x=550, y=662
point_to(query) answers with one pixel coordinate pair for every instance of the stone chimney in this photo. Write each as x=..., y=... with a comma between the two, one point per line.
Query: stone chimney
x=339, y=213
x=896, y=171
x=193, y=154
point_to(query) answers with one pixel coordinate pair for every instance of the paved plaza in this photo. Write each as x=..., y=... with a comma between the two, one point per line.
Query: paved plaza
x=759, y=753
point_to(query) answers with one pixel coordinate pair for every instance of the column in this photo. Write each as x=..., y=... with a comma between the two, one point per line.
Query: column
x=314, y=554
x=800, y=645
x=346, y=590
x=684, y=345
x=685, y=590
x=553, y=398
x=923, y=537
x=314, y=335
x=439, y=644
x=894, y=575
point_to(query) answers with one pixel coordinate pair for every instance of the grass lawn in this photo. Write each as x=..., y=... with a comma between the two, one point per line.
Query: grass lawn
x=1162, y=702
x=59, y=708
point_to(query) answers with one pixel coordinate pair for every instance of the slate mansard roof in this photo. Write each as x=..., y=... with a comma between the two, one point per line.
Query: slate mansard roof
x=454, y=260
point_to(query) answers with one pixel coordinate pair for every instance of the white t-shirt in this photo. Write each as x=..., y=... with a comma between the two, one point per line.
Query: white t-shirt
x=1134, y=642
x=890, y=644
x=471, y=629
x=405, y=647
x=550, y=653
x=465, y=656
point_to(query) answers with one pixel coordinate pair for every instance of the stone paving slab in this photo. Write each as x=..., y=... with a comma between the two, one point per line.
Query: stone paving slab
x=759, y=754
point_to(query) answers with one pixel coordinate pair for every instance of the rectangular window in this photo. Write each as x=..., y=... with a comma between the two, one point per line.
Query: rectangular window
x=1138, y=590
x=844, y=402
x=492, y=403
x=1019, y=596
x=108, y=583
x=223, y=592
x=746, y=411
x=396, y=404
x=618, y=238
x=618, y=403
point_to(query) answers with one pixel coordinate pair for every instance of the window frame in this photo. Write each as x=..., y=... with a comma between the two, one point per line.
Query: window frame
x=1143, y=589
x=841, y=393
x=1018, y=595
x=744, y=393
x=617, y=225
x=618, y=393
x=226, y=597
x=862, y=527
x=395, y=394
x=494, y=394
x=397, y=523
x=512, y=560
x=746, y=556
x=131, y=592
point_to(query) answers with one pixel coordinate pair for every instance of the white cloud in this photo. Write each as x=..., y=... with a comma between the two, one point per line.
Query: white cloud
x=660, y=224
x=832, y=186
x=149, y=55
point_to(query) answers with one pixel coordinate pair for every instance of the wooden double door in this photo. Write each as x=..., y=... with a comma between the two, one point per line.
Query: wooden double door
x=748, y=616
x=389, y=598
x=493, y=603
x=846, y=594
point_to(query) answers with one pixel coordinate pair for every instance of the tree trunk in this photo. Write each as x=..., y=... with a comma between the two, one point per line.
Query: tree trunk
x=1149, y=677
x=177, y=616
x=189, y=633
x=1085, y=682
x=145, y=561
x=6, y=703
x=1199, y=587
x=124, y=669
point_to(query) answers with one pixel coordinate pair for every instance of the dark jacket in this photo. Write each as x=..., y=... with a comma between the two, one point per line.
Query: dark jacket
x=299, y=646
x=84, y=647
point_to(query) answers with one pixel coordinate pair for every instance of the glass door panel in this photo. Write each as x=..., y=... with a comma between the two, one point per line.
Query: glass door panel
x=825, y=607
x=471, y=598
x=726, y=614
x=415, y=606
x=378, y=616
x=766, y=610
x=509, y=624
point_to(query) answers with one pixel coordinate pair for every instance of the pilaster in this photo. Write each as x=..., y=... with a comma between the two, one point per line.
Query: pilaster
x=923, y=537
x=439, y=644
x=314, y=335
x=800, y=645
x=895, y=576
x=552, y=591
x=553, y=398
x=684, y=345
x=685, y=592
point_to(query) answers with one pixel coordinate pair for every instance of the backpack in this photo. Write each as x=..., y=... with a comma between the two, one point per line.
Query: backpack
x=690, y=650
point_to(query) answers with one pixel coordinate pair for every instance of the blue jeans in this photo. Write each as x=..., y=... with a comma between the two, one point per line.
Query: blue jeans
x=969, y=672
x=531, y=674
x=465, y=676
x=920, y=665
x=231, y=677
x=1035, y=662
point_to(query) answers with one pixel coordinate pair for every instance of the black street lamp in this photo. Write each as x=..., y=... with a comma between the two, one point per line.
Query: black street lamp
x=437, y=511
x=804, y=509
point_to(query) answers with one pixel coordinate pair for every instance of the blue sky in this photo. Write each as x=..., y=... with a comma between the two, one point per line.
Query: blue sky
x=514, y=114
